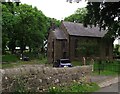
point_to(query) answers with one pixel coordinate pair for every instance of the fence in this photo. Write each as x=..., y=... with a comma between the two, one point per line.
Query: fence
x=111, y=66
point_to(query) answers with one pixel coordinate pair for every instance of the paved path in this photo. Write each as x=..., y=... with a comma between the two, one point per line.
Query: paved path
x=111, y=88
x=107, y=83
x=100, y=78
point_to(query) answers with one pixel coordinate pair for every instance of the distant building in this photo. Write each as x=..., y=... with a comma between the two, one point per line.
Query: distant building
x=68, y=40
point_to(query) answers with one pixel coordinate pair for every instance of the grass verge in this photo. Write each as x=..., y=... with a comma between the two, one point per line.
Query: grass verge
x=82, y=88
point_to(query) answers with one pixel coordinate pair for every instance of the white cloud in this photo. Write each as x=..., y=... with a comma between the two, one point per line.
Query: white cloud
x=55, y=8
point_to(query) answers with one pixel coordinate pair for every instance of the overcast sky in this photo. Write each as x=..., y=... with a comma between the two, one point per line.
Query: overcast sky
x=58, y=9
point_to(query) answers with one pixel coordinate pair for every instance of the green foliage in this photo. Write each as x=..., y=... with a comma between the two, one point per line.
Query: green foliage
x=9, y=58
x=52, y=23
x=23, y=26
x=76, y=63
x=78, y=16
x=105, y=73
x=105, y=15
x=43, y=61
x=116, y=50
x=84, y=87
x=4, y=42
x=107, y=68
x=81, y=88
x=54, y=90
x=88, y=48
x=20, y=86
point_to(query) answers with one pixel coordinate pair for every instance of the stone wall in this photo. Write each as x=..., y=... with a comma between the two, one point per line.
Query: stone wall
x=38, y=78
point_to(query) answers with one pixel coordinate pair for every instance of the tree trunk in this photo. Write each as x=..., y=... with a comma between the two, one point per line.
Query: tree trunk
x=30, y=49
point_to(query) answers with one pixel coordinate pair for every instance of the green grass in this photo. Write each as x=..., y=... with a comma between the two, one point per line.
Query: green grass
x=107, y=68
x=19, y=63
x=76, y=63
x=33, y=55
x=105, y=73
x=9, y=58
x=75, y=87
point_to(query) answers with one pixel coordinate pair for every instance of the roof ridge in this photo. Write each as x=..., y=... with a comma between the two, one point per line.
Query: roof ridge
x=79, y=30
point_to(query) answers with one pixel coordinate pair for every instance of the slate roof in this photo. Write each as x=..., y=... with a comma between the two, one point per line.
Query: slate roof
x=78, y=29
x=59, y=34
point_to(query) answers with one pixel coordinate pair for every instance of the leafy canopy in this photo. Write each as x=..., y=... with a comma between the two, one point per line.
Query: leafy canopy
x=106, y=15
x=22, y=26
x=78, y=16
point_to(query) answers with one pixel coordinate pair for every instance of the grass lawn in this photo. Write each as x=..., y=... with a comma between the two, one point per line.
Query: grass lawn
x=109, y=68
x=105, y=73
x=9, y=58
x=19, y=63
x=76, y=63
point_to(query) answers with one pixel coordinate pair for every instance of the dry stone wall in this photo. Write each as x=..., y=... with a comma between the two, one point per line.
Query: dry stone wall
x=38, y=78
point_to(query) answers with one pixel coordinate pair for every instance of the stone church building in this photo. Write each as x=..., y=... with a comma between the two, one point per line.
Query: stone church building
x=74, y=41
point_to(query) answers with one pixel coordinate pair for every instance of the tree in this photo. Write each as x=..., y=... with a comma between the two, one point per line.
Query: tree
x=7, y=26
x=78, y=16
x=116, y=50
x=52, y=23
x=23, y=26
x=106, y=15
x=33, y=23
